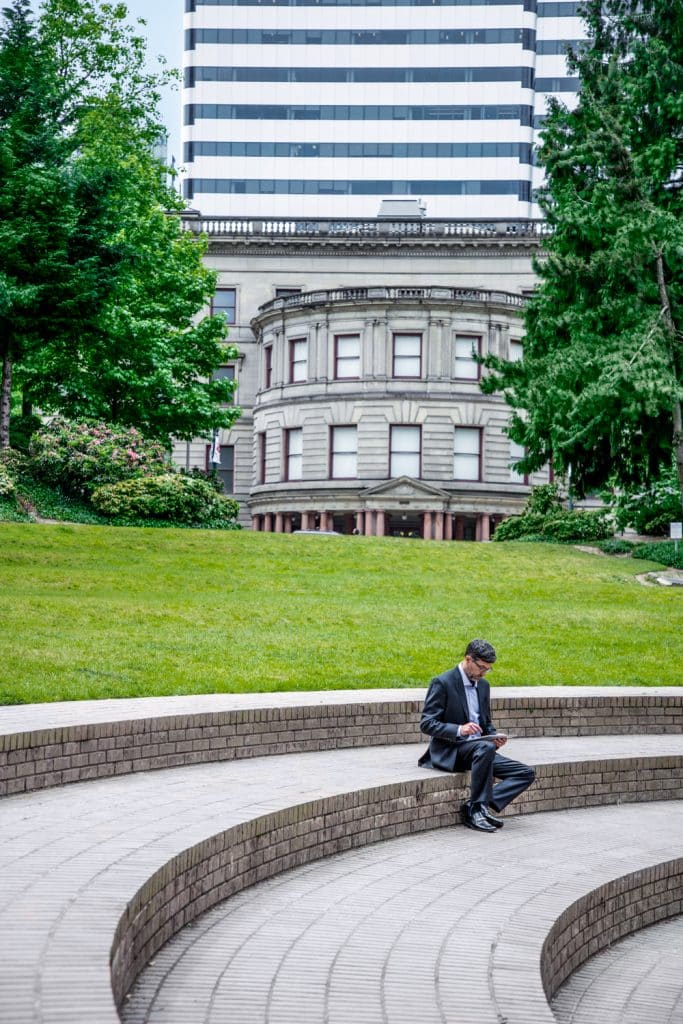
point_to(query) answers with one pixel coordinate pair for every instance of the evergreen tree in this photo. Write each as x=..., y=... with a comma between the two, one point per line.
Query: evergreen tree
x=600, y=387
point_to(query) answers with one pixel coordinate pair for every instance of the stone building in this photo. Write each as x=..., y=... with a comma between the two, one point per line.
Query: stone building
x=357, y=377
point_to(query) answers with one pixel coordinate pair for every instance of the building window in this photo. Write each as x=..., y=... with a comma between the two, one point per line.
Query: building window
x=284, y=293
x=294, y=447
x=298, y=360
x=343, y=453
x=225, y=301
x=268, y=366
x=467, y=453
x=467, y=346
x=517, y=452
x=225, y=468
x=261, y=468
x=405, y=451
x=516, y=350
x=347, y=356
x=407, y=360
x=225, y=373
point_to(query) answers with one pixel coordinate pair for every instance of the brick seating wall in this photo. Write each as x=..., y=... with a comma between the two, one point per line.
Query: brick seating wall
x=52, y=757
x=607, y=914
x=239, y=857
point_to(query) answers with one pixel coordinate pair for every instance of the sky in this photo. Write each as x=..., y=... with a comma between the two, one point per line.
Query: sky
x=164, y=32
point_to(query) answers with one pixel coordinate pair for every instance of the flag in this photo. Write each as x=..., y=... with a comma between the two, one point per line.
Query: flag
x=215, y=453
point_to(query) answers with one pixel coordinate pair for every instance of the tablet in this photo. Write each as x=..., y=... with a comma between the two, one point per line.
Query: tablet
x=491, y=736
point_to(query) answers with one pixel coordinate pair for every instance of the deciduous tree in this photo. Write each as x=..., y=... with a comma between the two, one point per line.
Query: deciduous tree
x=99, y=286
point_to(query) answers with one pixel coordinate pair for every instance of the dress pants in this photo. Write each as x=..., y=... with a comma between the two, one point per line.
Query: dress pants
x=483, y=761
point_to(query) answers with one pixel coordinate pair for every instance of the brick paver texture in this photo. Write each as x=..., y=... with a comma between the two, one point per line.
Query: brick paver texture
x=73, y=857
x=638, y=979
x=413, y=929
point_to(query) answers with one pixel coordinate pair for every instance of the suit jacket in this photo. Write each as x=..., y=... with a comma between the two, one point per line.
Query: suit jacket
x=445, y=708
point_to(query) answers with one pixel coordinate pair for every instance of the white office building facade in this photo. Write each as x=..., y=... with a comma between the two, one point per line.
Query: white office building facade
x=323, y=109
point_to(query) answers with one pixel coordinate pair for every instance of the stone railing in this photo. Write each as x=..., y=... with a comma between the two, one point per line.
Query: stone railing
x=470, y=296
x=251, y=227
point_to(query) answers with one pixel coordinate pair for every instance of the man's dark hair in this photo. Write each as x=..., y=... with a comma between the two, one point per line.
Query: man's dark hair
x=481, y=649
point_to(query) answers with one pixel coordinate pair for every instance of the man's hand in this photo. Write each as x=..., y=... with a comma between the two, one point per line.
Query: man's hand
x=470, y=729
x=499, y=741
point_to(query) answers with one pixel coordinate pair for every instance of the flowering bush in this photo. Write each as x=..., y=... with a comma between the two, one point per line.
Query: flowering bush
x=6, y=482
x=175, y=497
x=80, y=457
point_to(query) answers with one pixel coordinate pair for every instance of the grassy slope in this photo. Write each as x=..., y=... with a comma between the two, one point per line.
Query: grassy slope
x=93, y=611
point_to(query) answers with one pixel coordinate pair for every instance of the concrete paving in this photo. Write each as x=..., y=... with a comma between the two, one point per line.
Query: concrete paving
x=72, y=857
x=413, y=929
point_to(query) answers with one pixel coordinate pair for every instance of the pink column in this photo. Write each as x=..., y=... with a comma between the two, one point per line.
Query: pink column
x=305, y=520
x=459, y=528
x=369, y=523
x=323, y=521
x=288, y=524
x=448, y=526
x=360, y=521
x=438, y=526
x=268, y=522
x=426, y=525
x=485, y=530
x=279, y=522
x=256, y=523
x=381, y=524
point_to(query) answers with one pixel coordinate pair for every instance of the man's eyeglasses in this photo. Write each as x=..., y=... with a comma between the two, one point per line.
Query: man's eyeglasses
x=482, y=665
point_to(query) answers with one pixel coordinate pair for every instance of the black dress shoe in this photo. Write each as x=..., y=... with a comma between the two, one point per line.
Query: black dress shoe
x=477, y=820
x=493, y=818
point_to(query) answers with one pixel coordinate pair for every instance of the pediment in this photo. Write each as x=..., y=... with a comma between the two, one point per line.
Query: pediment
x=406, y=488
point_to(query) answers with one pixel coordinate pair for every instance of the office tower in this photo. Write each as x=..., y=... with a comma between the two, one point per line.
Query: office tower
x=300, y=108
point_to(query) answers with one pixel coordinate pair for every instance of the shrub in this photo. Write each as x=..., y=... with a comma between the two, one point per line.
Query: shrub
x=544, y=499
x=80, y=457
x=520, y=526
x=578, y=525
x=651, y=510
x=174, y=497
x=6, y=482
x=615, y=546
x=663, y=552
x=22, y=429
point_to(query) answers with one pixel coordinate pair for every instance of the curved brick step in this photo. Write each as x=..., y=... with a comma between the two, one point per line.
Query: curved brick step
x=52, y=744
x=436, y=928
x=130, y=861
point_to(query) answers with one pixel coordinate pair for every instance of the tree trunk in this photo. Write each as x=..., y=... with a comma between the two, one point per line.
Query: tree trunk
x=5, y=399
x=677, y=412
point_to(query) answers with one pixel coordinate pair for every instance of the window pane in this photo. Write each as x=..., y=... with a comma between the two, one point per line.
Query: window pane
x=295, y=464
x=517, y=452
x=296, y=442
x=516, y=351
x=299, y=360
x=407, y=351
x=344, y=465
x=347, y=355
x=405, y=464
x=466, y=467
x=224, y=301
x=405, y=439
x=466, y=367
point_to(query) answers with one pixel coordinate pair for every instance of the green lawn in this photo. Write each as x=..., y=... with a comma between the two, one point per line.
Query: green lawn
x=90, y=611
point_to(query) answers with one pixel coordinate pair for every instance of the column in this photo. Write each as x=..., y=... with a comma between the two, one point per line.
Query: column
x=426, y=525
x=369, y=523
x=306, y=520
x=268, y=522
x=288, y=523
x=278, y=522
x=448, y=526
x=256, y=523
x=485, y=528
x=459, y=528
x=324, y=521
x=438, y=525
x=380, y=524
x=360, y=521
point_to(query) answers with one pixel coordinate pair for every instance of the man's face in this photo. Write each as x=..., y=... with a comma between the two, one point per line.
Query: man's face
x=476, y=668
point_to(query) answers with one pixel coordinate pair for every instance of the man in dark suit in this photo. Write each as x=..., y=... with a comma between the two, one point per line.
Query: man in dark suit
x=456, y=714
